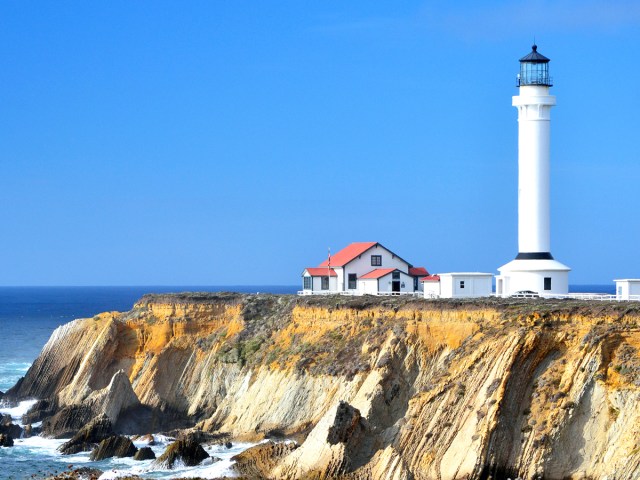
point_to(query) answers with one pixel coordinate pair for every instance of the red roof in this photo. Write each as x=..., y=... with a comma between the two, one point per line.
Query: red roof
x=321, y=272
x=431, y=278
x=348, y=253
x=378, y=273
x=418, y=271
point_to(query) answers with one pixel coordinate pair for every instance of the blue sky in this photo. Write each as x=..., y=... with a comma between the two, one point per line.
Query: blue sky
x=151, y=143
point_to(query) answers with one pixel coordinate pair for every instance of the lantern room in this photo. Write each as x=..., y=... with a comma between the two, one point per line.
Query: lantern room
x=534, y=69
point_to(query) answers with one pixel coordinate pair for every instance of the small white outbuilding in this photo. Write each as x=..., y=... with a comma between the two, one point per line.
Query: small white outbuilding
x=458, y=285
x=628, y=289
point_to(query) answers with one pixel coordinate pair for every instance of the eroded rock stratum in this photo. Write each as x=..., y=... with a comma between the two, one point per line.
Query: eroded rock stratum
x=368, y=387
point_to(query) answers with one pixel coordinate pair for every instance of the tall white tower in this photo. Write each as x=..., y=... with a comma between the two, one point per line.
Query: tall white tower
x=534, y=269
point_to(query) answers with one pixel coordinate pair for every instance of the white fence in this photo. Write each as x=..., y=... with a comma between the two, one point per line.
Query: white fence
x=356, y=293
x=602, y=297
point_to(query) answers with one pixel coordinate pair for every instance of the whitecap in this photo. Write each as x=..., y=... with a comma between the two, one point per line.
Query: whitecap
x=17, y=412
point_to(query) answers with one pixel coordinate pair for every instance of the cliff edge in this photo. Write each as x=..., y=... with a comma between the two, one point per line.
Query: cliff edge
x=394, y=388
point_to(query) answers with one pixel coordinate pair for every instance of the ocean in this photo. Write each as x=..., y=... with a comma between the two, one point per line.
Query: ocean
x=28, y=316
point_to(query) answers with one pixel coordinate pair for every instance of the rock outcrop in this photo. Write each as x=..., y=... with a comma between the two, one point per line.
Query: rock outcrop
x=115, y=446
x=145, y=453
x=7, y=427
x=259, y=461
x=89, y=436
x=6, y=440
x=369, y=387
x=188, y=452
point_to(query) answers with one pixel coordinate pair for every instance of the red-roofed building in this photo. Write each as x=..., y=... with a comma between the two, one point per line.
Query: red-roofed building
x=363, y=268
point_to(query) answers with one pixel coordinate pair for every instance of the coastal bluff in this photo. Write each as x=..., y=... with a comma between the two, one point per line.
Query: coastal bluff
x=369, y=387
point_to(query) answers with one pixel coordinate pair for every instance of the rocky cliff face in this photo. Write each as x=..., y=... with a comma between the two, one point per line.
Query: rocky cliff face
x=370, y=387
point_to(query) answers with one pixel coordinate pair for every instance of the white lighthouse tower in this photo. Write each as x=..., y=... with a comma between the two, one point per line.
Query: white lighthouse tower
x=534, y=269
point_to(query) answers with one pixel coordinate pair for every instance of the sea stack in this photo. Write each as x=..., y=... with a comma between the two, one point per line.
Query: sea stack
x=534, y=268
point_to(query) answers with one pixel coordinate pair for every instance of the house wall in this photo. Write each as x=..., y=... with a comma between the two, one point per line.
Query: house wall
x=474, y=286
x=362, y=264
x=316, y=283
x=626, y=288
x=368, y=286
x=517, y=281
x=431, y=289
x=385, y=285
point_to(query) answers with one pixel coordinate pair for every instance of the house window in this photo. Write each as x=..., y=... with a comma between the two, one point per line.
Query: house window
x=547, y=283
x=395, y=275
x=307, y=283
x=325, y=283
x=461, y=283
x=353, y=281
x=376, y=260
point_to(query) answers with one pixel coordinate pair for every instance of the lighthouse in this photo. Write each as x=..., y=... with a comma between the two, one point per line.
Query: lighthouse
x=534, y=268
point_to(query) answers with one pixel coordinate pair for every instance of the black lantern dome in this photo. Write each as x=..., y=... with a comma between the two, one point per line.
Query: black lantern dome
x=534, y=69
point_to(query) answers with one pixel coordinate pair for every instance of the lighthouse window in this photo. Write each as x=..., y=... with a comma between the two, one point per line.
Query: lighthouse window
x=325, y=283
x=376, y=260
x=461, y=283
x=307, y=283
x=353, y=281
x=547, y=283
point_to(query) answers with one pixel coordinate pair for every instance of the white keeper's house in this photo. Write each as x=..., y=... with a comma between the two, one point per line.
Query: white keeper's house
x=363, y=268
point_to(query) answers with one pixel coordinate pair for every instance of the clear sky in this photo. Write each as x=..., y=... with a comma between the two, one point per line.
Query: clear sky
x=213, y=143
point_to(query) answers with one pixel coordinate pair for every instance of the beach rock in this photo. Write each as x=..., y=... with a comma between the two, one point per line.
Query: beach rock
x=82, y=473
x=149, y=439
x=187, y=451
x=88, y=436
x=145, y=453
x=7, y=427
x=6, y=440
x=115, y=446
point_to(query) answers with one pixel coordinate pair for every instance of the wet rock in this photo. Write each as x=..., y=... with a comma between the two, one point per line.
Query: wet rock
x=149, y=439
x=88, y=436
x=7, y=427
x=39, y=411
x=115, y=446
x=6, y=440
x=145, y=453
x=82, y=473
x=187, y=451
x=68, y=421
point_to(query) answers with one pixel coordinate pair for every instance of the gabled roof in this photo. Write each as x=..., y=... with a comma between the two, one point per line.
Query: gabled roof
x=320, y=272
x=354, y=250
x=418, y=272
x=378, y=273
x=348, y=253
x=431, y=278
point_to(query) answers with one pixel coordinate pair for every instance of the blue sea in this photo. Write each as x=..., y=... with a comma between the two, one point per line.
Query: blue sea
x=28, y=316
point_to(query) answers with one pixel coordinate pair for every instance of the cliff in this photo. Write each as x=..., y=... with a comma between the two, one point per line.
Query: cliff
x=370, y=387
